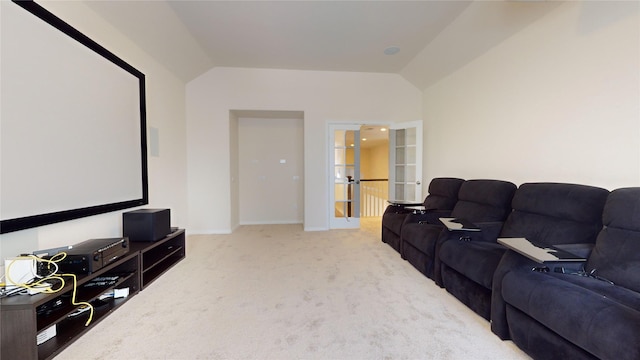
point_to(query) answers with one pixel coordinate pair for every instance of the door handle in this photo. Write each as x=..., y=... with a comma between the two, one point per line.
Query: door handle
x=418, y=182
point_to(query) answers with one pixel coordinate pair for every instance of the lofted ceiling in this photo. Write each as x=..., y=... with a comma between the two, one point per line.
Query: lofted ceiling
x=434, y=38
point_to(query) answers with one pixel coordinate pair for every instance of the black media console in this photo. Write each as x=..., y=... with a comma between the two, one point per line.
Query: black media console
x=24, y=318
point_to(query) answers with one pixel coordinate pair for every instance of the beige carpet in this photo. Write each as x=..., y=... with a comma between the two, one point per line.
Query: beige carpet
x=277, y=292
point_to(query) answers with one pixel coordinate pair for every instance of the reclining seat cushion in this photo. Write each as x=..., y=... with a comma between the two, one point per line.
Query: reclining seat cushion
x=418, y=246
x=476, y=260
x=393, y=219
x=583, y=310
x=616, y=256
x=418, y=235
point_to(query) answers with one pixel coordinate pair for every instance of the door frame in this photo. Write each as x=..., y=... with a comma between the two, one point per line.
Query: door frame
x=331, y=125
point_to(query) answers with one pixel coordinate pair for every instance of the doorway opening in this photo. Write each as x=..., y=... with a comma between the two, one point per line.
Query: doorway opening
x=374, y=170
x=267, y=167
x=359, y=168
x=370, y=164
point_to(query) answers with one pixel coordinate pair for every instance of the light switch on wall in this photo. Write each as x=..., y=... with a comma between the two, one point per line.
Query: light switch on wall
x=283, y=161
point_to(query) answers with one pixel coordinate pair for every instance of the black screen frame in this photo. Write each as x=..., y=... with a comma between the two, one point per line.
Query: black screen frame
x=27, y=222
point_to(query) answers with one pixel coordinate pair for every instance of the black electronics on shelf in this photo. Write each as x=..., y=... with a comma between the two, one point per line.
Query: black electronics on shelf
x=24, y=319
x=146, y=224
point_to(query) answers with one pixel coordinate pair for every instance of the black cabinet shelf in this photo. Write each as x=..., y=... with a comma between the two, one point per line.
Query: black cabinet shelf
x=72, y=328
x=22, y=321
x=24, y=317
x=88, y=295
x=158, y=257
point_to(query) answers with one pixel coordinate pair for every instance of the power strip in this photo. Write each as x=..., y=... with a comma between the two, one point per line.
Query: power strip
x=37, y=289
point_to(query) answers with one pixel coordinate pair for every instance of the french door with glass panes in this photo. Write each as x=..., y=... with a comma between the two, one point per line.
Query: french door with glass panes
x=344, y=189
x=405, y=161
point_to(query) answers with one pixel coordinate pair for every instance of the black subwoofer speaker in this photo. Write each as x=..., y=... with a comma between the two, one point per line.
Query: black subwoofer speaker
x=146, y=224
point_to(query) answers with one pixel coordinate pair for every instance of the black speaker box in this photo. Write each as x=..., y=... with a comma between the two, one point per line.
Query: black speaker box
x=146, y=224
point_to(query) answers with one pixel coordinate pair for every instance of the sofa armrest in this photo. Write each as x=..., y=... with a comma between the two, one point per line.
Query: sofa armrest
x=489, y=232
x=511, y=261
x=426, y=217
x=396, y=209
x=582, y=250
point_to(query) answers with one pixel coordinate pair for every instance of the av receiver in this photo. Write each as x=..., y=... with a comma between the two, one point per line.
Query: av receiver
x=91, y=255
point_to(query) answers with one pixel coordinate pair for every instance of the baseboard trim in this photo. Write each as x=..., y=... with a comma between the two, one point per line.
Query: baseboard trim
x=209, y=232
x=309, y=228
x=285, y=222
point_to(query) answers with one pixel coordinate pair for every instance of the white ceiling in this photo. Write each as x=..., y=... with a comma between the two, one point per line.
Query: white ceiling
x=434, y=37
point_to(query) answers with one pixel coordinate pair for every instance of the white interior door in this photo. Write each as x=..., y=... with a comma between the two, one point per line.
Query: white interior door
x=344, y=182
x=405, y=161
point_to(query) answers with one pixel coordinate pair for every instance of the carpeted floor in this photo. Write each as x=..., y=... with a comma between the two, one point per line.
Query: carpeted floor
x=277, y=292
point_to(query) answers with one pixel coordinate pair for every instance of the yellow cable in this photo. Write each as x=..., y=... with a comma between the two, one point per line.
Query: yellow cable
x=54, y=259
x=41, y=280
x=73, y=298
x=57, y=258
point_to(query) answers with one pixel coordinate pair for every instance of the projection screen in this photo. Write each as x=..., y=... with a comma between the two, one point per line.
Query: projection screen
x=72, y=123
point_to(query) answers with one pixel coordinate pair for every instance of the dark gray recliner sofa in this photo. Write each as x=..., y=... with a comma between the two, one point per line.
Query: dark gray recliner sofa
x=556, y=315
x=546, y=213
x=443, y=195
x=486, y=203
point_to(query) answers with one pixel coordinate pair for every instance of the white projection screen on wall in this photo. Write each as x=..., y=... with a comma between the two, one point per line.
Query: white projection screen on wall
x=72, y=123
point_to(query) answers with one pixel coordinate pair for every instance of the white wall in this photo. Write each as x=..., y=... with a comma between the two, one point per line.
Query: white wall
x=374, y=162
x=322, y=96
x=271, y=192
x=165, y=112
x=558, y=101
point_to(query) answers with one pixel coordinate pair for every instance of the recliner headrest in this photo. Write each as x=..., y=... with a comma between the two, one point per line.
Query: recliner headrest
x=622, y=209
x=581, y=203
x=443, y=193
x=490, y=192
